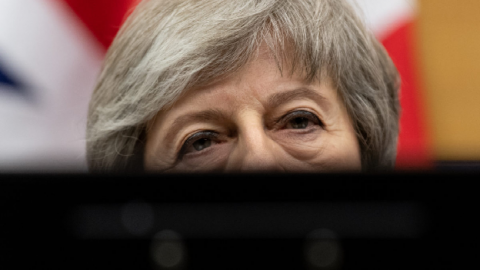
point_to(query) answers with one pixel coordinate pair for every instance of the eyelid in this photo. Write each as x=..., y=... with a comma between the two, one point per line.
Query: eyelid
x=192, y=138
x=298, y=113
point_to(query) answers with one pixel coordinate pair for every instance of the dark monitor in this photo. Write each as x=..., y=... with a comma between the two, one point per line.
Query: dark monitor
x=239, y=221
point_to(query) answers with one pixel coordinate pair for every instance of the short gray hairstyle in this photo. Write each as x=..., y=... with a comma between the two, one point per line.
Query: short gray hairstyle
x=167, y=46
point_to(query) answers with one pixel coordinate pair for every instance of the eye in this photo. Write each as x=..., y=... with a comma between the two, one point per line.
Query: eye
x=201, y=144
x=300, y=120
x=299, y=123
x=198, y=142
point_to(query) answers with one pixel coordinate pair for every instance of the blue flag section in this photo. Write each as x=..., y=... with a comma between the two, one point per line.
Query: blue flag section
x=11, y=83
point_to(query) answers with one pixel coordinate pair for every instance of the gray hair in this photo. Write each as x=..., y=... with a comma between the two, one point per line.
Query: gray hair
x=166, y=47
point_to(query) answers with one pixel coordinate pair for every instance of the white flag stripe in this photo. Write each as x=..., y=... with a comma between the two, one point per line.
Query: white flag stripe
x=384, y=16
x=50, y=48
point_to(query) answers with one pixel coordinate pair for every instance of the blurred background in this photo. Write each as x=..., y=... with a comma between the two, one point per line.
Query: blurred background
x=51, y=52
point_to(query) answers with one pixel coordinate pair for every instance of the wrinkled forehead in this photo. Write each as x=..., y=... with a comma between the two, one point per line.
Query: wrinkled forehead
x=281, y=53
x=258, y=79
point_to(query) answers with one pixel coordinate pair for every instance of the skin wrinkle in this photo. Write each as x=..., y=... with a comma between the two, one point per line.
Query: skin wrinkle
x=213, y=115
x=210, y=115
x=278, y=99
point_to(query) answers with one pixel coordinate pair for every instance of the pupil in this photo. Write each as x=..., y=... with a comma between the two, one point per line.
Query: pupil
x=300, y=123
x=202, y=144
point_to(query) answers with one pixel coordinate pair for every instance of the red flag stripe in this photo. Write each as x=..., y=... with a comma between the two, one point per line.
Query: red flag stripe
x=413, y=150
x=102, y=17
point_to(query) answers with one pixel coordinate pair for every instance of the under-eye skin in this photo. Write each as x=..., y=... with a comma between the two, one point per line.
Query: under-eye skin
x=198, y=142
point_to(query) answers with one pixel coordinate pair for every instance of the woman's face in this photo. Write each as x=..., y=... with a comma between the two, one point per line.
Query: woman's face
x=255, y=120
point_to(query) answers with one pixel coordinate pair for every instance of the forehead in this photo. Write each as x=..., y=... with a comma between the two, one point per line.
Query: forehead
x=264, y=75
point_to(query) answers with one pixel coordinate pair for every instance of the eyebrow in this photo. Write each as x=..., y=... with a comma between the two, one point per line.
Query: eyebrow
x=210, y=115
x=278, y=99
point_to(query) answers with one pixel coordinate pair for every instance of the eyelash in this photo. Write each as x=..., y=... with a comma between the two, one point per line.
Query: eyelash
x=208, y=134
x=283, y=120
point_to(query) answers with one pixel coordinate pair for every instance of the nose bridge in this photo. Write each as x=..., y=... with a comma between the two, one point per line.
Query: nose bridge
x=257, y=151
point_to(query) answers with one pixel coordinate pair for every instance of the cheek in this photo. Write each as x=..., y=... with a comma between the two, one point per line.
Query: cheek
x=340, y=155
x=302, y=145
x=321, y=151
x=155, y=162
